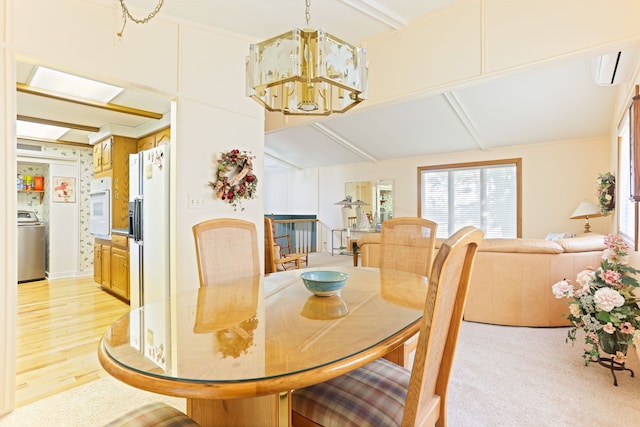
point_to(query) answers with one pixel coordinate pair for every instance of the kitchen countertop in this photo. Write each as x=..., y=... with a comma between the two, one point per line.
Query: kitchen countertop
x=120, y=231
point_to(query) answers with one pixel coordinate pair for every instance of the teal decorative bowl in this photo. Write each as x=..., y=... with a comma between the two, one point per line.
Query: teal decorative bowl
x=324, y=283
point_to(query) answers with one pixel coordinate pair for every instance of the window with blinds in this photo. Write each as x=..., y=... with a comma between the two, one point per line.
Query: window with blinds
x=485, y=195
x=625, y=207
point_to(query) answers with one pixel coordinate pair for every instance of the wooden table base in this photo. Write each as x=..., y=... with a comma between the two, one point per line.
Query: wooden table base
x=263, y=411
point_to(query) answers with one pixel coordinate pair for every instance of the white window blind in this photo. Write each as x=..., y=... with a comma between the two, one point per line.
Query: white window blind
x=626, y=209
x=482, y=196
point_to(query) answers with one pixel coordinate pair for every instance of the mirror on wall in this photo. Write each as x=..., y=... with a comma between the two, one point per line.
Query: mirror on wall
x=372, y=204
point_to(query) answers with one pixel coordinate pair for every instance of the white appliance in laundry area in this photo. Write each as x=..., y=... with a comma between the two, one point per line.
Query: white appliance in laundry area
x=149, y=225
x=31, y=247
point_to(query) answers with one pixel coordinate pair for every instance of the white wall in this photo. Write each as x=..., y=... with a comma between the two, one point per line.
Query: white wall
x=464, y=44
x=480, y=39
x=64, y=224
x=212, y=112
x=69, y=258
x=8, y=245
x=203, y=71
x=228, y=130
x=556, y=177
x=294, y=192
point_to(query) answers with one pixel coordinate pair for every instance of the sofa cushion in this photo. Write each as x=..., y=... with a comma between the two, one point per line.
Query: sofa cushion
x=583, y=243
x=539, y=246
x=556, y=236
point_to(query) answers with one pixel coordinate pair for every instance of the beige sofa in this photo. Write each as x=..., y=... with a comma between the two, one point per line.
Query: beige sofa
x=512, y=278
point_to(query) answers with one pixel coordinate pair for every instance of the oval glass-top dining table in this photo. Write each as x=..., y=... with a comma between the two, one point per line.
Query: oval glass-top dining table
x=236, y=350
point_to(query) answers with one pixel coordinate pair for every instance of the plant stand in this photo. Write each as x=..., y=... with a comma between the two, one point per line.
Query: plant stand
x=608, y=362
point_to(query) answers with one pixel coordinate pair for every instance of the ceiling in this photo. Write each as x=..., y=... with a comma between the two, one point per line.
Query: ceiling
x=559, y=102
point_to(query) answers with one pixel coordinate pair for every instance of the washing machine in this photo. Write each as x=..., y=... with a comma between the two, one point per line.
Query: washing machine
x=31, y=247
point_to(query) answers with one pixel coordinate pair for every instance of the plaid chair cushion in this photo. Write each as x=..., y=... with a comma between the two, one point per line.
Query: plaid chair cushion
x=155, y=414
x=373, y=395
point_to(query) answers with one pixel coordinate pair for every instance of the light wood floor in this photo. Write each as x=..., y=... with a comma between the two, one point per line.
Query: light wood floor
x=59, y=325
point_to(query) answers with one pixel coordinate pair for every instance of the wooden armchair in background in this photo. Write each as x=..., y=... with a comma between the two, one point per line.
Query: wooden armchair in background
x=284, y=246
x=283, y=242
x=271, y=257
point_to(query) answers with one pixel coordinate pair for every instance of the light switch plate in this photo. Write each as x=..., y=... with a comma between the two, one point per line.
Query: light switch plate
x=196, y=201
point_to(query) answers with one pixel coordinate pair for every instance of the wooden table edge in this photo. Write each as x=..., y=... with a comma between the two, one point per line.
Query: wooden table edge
x=251, y=388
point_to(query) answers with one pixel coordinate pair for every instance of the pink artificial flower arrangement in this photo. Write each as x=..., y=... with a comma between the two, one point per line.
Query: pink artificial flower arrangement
x=603, y=303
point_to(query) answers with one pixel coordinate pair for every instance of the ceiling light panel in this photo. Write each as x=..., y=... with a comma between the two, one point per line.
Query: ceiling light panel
x=57, y=81
x=38, y=130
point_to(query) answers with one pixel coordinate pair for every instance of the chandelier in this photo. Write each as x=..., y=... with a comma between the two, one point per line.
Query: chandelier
x=306, y=72
x=144, y=20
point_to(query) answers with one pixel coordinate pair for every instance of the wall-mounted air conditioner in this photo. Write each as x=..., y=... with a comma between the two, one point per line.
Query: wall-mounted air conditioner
x=615, y=68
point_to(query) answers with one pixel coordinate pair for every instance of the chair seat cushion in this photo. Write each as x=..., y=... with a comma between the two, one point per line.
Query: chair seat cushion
x=373, y=395
x=155, y=414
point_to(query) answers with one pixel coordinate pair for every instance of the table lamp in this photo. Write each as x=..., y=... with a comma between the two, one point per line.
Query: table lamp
x=586, y=210
x=362, y=220
x=346, y=208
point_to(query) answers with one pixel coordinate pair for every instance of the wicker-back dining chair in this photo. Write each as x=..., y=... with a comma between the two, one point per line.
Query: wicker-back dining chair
x=382, y=393
x=157, y=414
x=407, y=244
x=226, y=248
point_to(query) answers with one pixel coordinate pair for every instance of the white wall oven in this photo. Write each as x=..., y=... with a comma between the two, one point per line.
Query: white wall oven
x=100, y=208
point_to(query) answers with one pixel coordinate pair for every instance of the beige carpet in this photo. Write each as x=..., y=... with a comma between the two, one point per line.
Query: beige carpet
x=502, y=376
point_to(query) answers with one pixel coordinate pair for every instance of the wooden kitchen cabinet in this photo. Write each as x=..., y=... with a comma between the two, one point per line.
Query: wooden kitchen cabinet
x=97, y=158
x=106, y=265
x=111, y=159
x=120, y=265
x=111, y=265
x=111, y=257
x=97, y=263
x=163, y=137
x=120, y=272
x=147, y=142
x=160, y=137
x=102, y=155
x=106, y=154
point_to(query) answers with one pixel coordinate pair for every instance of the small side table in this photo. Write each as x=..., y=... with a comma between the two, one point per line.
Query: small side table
x=333, y=234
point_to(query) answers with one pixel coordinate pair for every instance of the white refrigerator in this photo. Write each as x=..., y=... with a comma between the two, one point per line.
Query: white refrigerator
x=149, y=225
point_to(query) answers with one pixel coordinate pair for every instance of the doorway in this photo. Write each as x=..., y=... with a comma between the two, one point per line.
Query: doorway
x=76, y=144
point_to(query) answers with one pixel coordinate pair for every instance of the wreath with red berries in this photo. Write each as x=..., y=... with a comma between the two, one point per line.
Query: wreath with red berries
x=235, y=180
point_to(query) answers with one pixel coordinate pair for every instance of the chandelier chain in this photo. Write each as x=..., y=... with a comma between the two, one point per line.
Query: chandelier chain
x=126, y=13
x=307, y=12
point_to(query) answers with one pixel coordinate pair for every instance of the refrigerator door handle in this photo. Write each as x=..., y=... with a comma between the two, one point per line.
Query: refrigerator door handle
x=137, y=221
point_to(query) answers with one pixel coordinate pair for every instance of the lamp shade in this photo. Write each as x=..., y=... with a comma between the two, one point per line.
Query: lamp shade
x=586, y=209
x=345, y=202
